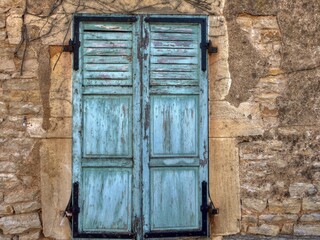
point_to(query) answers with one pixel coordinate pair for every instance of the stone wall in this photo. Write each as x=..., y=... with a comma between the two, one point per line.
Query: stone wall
x=264, y=113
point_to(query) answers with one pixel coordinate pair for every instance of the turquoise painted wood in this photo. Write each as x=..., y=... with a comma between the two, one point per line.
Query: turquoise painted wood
x=140, y=127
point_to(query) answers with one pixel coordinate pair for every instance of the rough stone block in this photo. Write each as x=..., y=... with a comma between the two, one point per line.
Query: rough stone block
x=313, y=230
x=279, y=218
x=291, y=205
x=55, y=155
x=21, y=108
x=287, y=228
x=17, y=224
x=32, y=235
x=14, y=28
x=229, y=121
x=34, y=128
x=6, y=210
x=1, y=196
x=21, y=196
x=254, y=205
x=26, y=207
x=2, y=21
x=265, y=229
x=3, y=35
x=249, y=219
x=60, y=108
x=8, y=167
x=8, y=180
x=224, y=185
x=300, y=190
x=312, y=217
x=7, y=65
x=60, y=128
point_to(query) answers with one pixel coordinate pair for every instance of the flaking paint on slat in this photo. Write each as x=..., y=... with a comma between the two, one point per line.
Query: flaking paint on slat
x=107, y=75
x=174, y=75
x=107, y=52
x=107, y=36
x=108, y=26
x=107, y=44
x=173, y=44
x=173, y=36
x=175, y=28
x=108, y=67
x=174, y=60
x=108, y=59
x=173, y=52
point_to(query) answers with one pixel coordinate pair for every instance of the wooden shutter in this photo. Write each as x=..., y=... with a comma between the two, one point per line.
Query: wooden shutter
x=176, y=140
x=105, y=125
x=140, y=127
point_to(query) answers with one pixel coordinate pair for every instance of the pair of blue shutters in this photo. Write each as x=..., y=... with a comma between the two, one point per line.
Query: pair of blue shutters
x=140, y=126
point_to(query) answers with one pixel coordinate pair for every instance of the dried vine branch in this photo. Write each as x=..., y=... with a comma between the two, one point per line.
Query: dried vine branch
x=57, y=14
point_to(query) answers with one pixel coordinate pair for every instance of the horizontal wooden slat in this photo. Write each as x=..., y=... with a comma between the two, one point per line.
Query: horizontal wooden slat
x=181, y=28
x=173, y=44
x=94, y=162
x=109, y=59
x=173, y=162
x=107, y=51
x=107, y=36
x=174, y=60
x=154, y=82
x=174, y=52
x=103, y=26
x=107, y=75
x=106, y=90
x=173, y=67
x=157, y=90
x=107, y=44
x=173, y=36
x=108, y=67
x=174, y=75
x=103, y=82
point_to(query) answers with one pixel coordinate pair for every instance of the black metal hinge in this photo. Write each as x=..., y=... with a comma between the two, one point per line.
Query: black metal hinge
x=70, y=47
x=211, y=48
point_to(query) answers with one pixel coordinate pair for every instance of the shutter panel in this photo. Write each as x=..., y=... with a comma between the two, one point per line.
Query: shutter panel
x=175, y=153
x=105, y=126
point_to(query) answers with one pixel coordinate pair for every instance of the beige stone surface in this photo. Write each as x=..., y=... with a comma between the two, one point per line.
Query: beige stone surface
x=230, y=121
x=224, y=186
x=55, y=186
x=14, y=28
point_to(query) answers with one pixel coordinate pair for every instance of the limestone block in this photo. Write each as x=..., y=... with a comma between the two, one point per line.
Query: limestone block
x=224, y=186
x=313, y=217
x=32, y=235
x=21, y=196
x=55, y=157
x=5, y=237
x=60, y=128
x=265, y=229
x=2, y=21
x=278, y=218
x=20, y=223
x=249, y=219
x=1, y=196
x=218, y=26
x=34, y=128
x=62, y=73
x=6, y=210
x=229, y=121
x=7, y=65
x=290, y=205
x=311, y=204
x=255, y=205
x=26, y=207
x=8, y=167
x=21, y=108
x=287, y=228
x=3, y=35
x=14, y=28
x=8, y=180
x=60, y=107
x=313, y=230
x=302, y=189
